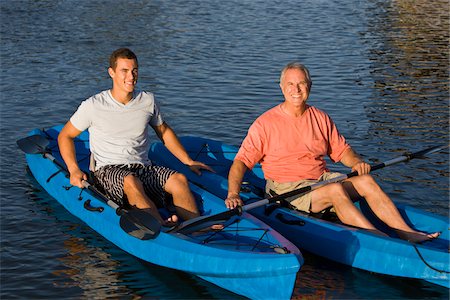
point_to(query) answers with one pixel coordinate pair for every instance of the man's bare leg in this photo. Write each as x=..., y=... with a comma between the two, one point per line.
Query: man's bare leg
x=335, y=195
x=134, y=190
x=383, y=207
x=183, y=200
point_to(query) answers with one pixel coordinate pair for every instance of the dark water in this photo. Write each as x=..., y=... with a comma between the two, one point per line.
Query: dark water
x=380, y=69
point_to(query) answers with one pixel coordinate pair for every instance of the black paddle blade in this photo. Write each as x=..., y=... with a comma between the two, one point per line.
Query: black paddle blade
x=33, y=144
x=421, y=154
x=140, y=224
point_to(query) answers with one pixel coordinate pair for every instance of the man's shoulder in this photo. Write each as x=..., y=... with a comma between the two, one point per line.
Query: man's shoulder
x=98, y=98
x=144, y=95
x=268, y=119
x=271, y=113
x=318, y=112
x=102, y=101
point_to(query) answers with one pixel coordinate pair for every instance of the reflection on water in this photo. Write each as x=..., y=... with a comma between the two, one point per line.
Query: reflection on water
x=320, y=281
x=410, y=66
x=380, y=69
x=91, y=269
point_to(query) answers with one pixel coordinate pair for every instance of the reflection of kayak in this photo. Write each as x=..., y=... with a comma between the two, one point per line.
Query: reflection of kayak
x=348, y=245
x=247, y=257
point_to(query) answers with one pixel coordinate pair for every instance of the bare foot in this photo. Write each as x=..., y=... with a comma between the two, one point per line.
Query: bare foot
x=217, y=227
x=208, y=229
x=417, y=237
x=171, y=221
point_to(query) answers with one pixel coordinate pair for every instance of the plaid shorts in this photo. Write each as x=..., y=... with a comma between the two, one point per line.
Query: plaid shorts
x=153, y=178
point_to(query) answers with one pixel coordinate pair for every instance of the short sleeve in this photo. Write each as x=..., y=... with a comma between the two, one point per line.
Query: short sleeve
x=156, y=118
x=337, y=142
x=251, y=150
x=81, y=119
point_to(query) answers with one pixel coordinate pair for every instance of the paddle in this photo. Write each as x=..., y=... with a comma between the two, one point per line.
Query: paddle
x=136, y=222
x=205, y=221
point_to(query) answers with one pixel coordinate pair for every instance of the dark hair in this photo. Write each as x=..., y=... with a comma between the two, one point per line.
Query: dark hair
x=121, y=53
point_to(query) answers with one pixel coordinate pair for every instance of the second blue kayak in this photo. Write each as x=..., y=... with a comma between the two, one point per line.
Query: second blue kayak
x=352, y=246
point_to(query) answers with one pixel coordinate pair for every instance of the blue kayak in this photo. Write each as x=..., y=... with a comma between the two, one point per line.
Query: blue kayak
x=327, y=238
x=247, y=257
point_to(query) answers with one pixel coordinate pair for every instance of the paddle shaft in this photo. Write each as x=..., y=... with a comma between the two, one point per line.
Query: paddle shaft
x=309, y=188
x=85, y=182
x=151, y=228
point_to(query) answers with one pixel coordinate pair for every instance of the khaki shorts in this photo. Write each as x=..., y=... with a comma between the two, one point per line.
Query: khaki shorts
x=302, y=202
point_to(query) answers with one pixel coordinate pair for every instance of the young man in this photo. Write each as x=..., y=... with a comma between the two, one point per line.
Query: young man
x=291, y=141
x=118, y=120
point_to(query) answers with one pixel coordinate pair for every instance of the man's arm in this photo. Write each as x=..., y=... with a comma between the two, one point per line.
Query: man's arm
x=352, y=160
x=235, y=176
x=67, y=148
x=171, y=141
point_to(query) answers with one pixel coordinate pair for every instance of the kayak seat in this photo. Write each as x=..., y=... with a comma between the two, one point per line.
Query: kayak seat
x=327, y=214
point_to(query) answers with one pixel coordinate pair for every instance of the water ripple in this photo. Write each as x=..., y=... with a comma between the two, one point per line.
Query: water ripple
x=379, y=68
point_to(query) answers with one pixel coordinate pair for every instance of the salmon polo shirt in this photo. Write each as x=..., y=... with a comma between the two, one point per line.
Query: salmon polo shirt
x=292, y=148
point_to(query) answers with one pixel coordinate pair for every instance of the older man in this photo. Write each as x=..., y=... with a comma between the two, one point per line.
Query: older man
x=291, y=140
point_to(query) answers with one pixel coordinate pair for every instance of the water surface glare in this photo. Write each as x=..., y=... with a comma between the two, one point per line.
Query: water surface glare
x=379, y=68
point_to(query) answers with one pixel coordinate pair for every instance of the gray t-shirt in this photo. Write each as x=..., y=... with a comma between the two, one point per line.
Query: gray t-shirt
x=118, y=132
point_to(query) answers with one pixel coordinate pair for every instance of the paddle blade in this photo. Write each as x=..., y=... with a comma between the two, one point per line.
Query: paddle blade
x=140, y=224
x=421, y=154
x=33, y=144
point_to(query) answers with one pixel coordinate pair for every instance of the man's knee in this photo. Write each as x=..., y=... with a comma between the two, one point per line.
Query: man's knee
x=367, y=179
x=175, y=182
x=333, y=194
x=179, y=178
x=366, y=184
x=337, y=193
